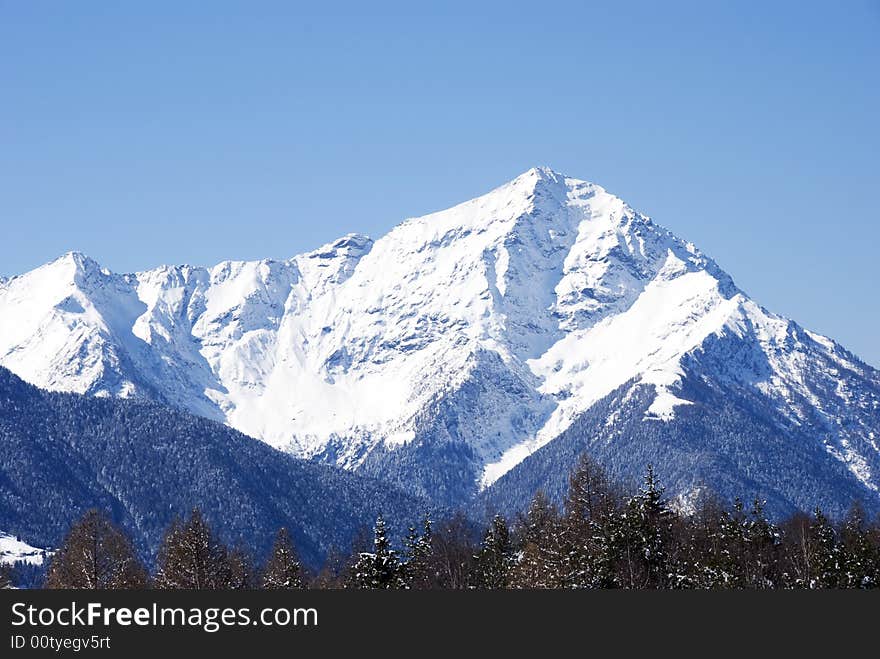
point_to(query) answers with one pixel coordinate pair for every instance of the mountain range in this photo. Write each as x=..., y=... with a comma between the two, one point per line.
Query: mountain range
x=469, y=355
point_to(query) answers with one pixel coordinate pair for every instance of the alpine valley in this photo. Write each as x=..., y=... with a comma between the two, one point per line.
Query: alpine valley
x=469, y=356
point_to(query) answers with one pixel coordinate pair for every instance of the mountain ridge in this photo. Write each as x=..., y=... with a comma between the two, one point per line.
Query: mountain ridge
x=470, y=338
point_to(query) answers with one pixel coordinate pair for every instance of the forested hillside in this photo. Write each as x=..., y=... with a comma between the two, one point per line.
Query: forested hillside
x=61, y=454
x=601, y=537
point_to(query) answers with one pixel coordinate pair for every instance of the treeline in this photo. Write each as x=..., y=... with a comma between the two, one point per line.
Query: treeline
x=600, y=538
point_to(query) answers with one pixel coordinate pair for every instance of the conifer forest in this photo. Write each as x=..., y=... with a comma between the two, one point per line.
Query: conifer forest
x=601, y=537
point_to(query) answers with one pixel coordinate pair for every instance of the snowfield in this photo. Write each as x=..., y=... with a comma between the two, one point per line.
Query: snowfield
x=13, y=550
x=490, y=326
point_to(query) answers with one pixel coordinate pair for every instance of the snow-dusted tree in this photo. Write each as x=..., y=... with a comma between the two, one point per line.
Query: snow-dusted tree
x=192, y=558
x=418, y=551
x=495, y=556
x=719, y=559
x=283, y=570
x=827, y=561
x=379, y=569
x=96, y=555
x=761, y=555
x=541, y=562
x=591, y=506
x=861, y=557
x=645, y=538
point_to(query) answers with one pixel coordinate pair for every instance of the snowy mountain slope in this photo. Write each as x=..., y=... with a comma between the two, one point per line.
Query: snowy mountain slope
x=443, y=354
x=727, y=441
x=14, y=550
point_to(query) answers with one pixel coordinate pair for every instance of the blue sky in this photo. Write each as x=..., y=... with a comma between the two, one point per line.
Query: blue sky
x=169, y=133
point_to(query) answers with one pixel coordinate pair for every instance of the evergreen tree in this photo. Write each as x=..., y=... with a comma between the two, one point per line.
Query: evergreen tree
x=861, y=557
x=644, y=537
x=718, y=549
x=417, y=556
x=541, y=562
x=96, y=555
x=761, y=556
x=826, y=564
x=493, y=560
x=540, y=519
x=283, y=570
x=712, y=540
x=408, y=565
x=193, y=558
x=379, y=569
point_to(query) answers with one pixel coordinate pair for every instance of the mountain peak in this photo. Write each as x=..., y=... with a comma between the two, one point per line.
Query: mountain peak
x=537, y=176
x=554, y=184
x=77, y=260
x=545, y=173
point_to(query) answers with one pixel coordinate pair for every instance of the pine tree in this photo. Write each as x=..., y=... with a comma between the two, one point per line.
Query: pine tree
x=729, y=549
x=826, y=563
x=494, y=559
x=418, y=551
x=645, y=536
x=283, y=570
x=541, y=562
x=410, y=549
x=192, y=558
x=761, y=554
x=96, y=555
x=861, y=557
x=379, y=569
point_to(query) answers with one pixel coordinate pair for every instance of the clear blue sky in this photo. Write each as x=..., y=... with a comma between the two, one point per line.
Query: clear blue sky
x=195, y=132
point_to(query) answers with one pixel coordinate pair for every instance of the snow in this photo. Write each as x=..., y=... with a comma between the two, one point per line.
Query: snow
x=13, y=550
x=663, y=407
x=855, y=462
x=647, y=343
x=498, y=321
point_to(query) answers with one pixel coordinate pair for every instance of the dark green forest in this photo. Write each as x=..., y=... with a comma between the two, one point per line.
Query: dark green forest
x=601, y=537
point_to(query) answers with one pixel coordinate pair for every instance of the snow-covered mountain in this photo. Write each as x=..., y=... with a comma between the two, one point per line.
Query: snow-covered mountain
x=445, y=353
